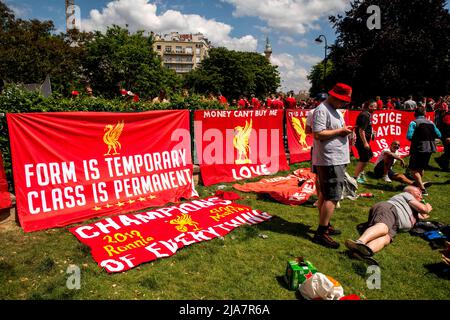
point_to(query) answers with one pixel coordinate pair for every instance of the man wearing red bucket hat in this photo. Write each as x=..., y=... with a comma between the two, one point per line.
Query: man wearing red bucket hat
x=330, y=158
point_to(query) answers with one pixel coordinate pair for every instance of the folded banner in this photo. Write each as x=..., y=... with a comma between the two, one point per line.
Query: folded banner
x=123, y=242
x=71, y=166
x=299, y=141
x=239, y=144
x=387, y=127
x=293, y=189
x=5, y=197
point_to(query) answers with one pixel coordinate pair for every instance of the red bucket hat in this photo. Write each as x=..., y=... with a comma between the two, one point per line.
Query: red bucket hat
x=342, y=92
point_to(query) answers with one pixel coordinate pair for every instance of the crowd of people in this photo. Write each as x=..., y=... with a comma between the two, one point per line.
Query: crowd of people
x=329, y=162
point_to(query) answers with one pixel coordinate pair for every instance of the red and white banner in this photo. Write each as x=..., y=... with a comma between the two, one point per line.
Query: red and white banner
x=294, y=189
x=5, y=197
x=123, y=242
x=387, y=126
x=299, y=142
x=71, y=166
x=239, y=144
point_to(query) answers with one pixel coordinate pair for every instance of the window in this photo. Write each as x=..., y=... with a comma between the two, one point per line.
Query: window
x=179, y=49
x=158, y=47
x=189, y=50
x=168, y=48
x=197, y=59
x=197, y=51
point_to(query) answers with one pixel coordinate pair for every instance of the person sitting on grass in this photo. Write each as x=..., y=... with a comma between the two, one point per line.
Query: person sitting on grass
x=385, y=162
x=386, y=218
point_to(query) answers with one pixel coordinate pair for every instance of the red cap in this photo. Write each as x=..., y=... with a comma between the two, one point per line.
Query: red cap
x=123, y=92
x=75, y=93
x=342, y=92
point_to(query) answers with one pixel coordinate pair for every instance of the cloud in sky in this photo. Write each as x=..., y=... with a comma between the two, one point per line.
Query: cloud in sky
x=292, y=72
x=142, y=15
x=292, y=16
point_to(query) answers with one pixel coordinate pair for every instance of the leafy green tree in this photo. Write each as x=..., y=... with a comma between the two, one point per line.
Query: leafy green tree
x=119, y=59
x=319, y=81
x=234, y=73
x=409, y=54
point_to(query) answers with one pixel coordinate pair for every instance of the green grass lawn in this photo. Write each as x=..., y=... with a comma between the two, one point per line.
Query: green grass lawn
x=243, y=265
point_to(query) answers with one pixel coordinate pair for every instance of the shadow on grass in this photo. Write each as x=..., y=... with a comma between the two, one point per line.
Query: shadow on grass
x=278, y=224
x=440, y=269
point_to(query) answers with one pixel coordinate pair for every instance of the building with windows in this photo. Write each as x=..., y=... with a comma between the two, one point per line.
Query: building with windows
x=181, y=52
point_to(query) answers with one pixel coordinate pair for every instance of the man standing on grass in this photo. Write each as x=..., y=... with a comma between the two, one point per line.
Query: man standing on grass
x=422, y=133
x=386, y=218
x=364, y=134
x=330, y=157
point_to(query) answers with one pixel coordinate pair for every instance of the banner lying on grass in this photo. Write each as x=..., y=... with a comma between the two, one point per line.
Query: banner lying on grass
x=5, y=197
x=387, y=126
x=72, y=166
x=123, y=242
x=239, y=144
x=293, y=189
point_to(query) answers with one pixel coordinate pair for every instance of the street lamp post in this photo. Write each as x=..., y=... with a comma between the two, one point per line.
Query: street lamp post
x=319, y=40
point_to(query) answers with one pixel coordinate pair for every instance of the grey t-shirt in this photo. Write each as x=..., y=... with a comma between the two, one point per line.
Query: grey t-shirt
x=405, y=214
x=334, y=151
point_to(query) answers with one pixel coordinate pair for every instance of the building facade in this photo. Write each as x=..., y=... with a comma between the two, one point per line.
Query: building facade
x=181, y=52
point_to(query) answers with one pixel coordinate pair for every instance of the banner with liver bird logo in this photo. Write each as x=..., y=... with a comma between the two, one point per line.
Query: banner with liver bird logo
x=299, y=141
x=122, y=242
x=239, y=144
x=72, y=166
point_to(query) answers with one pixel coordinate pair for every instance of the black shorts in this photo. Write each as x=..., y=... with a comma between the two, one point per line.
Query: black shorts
x=364, y=154
x=419, y=160
x=384, y=212
x=379, y=171
x=331, y=181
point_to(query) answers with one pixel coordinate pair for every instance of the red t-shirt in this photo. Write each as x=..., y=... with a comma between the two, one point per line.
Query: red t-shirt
x=278, y=104
x=269, y=103
x=255, y=103
x=389, y=105
x=291, y=102
x=379, y=104
x=223, y=100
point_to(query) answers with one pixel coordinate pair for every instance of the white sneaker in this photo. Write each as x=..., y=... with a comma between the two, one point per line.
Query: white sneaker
x=387, y=179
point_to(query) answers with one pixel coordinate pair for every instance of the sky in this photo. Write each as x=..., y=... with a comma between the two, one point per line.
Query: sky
x=290, y=25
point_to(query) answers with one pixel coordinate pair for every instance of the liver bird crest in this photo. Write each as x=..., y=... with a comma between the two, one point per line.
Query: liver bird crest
x=111, y=137
x=241, y=142
x=300, y=126
x=183, y=221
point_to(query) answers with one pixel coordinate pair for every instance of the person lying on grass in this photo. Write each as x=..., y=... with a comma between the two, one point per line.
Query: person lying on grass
x=386, y=218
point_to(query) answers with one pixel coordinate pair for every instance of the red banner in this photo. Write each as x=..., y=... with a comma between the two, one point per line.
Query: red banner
x=69, y=167
x=293, y=189
x=239, y=144
x=387, y=126
x=298, y=141
x=123, y=242
x=5, y=197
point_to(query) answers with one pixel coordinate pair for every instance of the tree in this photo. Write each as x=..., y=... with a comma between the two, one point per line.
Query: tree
x=120, y=59
x=29, y=52
x=409, y=54
x=319, y=81
x=234, y=73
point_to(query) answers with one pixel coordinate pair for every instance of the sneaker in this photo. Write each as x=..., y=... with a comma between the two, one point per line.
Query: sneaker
x=369, y=260
x=424, y=192
x=427, y=184
x=359, y=247
x=325, y=240
x=332, y=231
x=338, y=205
x=361, y=180
x=387, y=179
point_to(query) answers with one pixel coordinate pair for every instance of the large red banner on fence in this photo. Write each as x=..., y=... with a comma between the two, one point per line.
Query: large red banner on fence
x=387, y=126
x=239, y=144
x=123, y=242
x=299, y=142
x=69, y=167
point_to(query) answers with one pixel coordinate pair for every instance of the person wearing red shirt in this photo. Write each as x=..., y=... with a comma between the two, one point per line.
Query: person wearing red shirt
x=389, y=104
x=379, y=103
x=278, y=102
x=222, y=100
x=255, y=102
x=270, y=100
x=243, y=103
x=291, y=103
